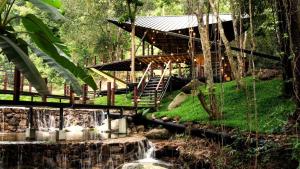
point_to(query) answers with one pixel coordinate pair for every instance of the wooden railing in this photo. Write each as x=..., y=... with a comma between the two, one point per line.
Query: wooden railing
x=142, y=81
x=161, y=80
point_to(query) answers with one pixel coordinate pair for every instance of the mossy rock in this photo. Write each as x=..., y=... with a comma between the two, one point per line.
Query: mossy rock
x=178, y=100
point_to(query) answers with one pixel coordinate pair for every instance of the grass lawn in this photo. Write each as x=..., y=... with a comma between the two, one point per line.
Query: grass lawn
x=120, y=100
x=273, y=110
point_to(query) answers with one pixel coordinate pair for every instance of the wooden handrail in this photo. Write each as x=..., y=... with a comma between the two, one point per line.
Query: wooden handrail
x=162, y=76
x=144, y=75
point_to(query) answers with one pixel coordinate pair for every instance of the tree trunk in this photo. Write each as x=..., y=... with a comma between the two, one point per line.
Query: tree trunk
x=228, y=51
x=285, y=49
x=295, y=29
x=208, y=71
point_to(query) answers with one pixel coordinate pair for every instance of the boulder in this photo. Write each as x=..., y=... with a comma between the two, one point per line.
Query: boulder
x=140, y=128
x=192, y=85
x=178, y=100
x=158, y=134
x=267, y=74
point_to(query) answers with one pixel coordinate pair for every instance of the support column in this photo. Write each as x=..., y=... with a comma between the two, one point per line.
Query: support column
x=85, y=92
x=179, y=70
x=152, y=49
x=44, y=98
x=61, y=133
x=30, y=131
x=17, y=81
x=143, y=48
x=135, y=93
x=5, y=81
x=109, y=104
x=71, y=96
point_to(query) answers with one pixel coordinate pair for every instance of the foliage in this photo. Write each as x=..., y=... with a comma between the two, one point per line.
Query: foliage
x=15, y=48
x=272, y=108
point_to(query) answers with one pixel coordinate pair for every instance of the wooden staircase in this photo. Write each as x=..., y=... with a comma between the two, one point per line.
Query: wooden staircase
x=152, y=91
x=147, y=97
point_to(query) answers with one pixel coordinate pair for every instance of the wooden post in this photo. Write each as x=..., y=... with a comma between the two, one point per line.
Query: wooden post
x=135, y=93
x=5, y=80
x=179, y=70
x=44, y=98
x=152, y=50
x=61, y=118
x=85, y=91
x=22, y=82
x=30, y=117
x=71, y=96
x=17, y=82
x=109, y=93
x=65, y=89
x=155, y=99
x=143, y=48
x=121, y=112
x=108, y=104
x=148, y=48
x=113, y=94
x=171, y=68
x=100, y=87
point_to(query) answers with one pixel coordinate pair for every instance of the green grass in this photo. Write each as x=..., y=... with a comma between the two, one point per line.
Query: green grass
x=273, y=110
x=120, y=100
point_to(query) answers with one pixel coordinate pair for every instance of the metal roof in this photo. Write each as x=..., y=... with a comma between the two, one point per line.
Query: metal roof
x=171, y=23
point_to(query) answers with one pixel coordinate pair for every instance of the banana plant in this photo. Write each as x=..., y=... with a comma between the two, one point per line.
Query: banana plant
x=42, y=42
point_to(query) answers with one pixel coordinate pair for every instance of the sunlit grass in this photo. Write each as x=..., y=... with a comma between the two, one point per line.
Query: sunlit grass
x=238, y=109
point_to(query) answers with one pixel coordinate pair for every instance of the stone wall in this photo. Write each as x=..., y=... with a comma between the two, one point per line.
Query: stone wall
x=98, y=154
x=14, y=119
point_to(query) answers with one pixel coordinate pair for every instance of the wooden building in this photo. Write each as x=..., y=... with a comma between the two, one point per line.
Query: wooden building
x=176, y=38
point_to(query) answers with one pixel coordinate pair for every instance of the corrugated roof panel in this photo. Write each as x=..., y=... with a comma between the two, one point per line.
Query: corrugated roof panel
x=171, y=23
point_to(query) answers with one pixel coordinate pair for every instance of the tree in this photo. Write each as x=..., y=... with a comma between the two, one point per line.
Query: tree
x=233, y=65
x=203, y=7
x=132, y=9
x=41, y=41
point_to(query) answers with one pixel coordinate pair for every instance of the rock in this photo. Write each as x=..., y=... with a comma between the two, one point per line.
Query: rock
x=194, y=84
x=132, y=166
x=165, y=119
x=178, y=100
x=153, y=116
x=140, y=128
x=267, y=74
x=158, y=134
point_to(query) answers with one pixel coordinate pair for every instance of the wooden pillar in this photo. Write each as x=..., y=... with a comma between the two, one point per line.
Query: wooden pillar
x=30, y=118
x=179, y=70
x=152, y=49
x=100, y=87
x=148, y=48
x=65, y=89
x=71, y=96
x=17, y=81
x=135, y=93
x=143, y=48
x=108, y=104
x=61, y=118
x=85, y=92
x=170, y=69
x=113, y=94
x=44, y=98
x=5, y=81
x=22, y=82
